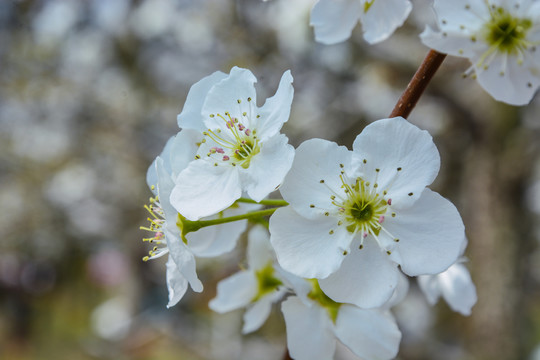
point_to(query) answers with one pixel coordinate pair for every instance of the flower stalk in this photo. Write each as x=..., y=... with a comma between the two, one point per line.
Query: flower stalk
x=418, y=84
x=266, y=202
x=186, y=226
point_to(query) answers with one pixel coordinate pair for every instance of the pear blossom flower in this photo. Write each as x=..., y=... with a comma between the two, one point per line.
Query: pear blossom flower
x=354, y=216
x=314, y=323
x=499, y=37
x=241, y=149
x=255, y=288
x=334, y=20
x=166, y=235
x=454, y=285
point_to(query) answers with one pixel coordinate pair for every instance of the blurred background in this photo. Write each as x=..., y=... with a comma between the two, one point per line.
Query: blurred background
x=89, y=93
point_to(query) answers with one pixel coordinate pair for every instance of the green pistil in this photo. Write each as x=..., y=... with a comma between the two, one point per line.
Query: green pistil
x=363, y=208
x=246, y=150
x=317, y=295
x=266, y=281
x=505, y=32
x=362, y=213
x=367, y=5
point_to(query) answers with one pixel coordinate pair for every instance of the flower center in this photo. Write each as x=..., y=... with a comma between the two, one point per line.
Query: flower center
x=236, y=143
x=362, y=213
x=317, y=295
x=367, y=5
x=363, y=208
x=267, y=281
x=505, y=32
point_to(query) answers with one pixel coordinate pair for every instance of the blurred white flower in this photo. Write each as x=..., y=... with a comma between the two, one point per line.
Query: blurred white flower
x=165, y=222
x=454, y=285
x=334, y=20
x=314, y=322
x=255, y=288
x=242, y=149
x=355, y=216
x=499, y=37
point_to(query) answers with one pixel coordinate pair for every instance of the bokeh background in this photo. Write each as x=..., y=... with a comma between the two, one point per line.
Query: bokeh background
x=89, y=93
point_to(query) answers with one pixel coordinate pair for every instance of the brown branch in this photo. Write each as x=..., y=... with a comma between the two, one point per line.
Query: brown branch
x=286, y=356
x=418, y=84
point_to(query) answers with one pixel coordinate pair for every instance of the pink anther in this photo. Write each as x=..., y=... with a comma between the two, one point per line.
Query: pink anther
x=389, y=201
x=241, y=127
x=365, y=235
x=220, y=150
x=225, y=158
x=247, y=132
x=381, y=219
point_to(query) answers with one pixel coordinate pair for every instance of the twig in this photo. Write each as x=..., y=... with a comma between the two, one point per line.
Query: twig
x=418, y=84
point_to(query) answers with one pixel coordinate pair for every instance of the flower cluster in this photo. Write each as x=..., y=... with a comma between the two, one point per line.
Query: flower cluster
x=335, y=248
x=500, y=38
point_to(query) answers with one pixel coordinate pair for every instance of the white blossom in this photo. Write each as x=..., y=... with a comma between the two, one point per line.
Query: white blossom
x=315, y=322
x=255, y=288
x=354, y=216
x=241, y=149
x=334, y=20
x=499, y=37
x=166, y=235
x=454, y=285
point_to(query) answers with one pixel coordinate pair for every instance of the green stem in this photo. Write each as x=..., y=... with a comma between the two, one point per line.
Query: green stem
x=186, y=226
x=267, y=202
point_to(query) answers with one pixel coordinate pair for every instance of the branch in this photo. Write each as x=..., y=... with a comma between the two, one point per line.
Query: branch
x=418, y=84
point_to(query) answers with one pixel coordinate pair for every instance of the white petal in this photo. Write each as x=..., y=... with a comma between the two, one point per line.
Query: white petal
x=399, y=293
x=453, y=43
x=370, y=334
x=151, y=174
x=366, y=278
x=220, y=239
x=176, y=283
x=508, y=81
x=392, y=144
x=165, y=185
x=276, y=110
x=257, y=313
x=183, y=150
x=191, y=117
x=259, y=250
x=300, y=286
x=333, y=20
x=429, y=284
x=305, y=247
x=224, y=96
x=431, y=234
x=234, y=292
x=461, y=15
x=268, y=168
x=151, y=177
x=309, y=331
x=315, y=160
x=383, y=18
x=184, y=260
x=203, y=189
x=216, y=240
x=458, y=289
